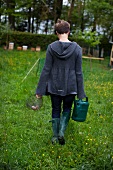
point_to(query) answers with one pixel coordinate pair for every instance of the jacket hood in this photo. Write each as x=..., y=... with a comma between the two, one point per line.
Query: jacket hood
x=62, y=50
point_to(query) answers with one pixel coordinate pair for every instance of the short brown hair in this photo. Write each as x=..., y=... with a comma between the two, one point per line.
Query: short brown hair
x=62, y=26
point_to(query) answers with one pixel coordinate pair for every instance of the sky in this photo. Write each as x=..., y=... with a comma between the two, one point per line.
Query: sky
x=65, y=2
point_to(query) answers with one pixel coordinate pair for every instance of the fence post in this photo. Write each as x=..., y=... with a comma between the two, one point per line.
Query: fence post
x=111, y=56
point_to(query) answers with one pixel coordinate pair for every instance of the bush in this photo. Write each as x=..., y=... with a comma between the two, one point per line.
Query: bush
x=33, y=40
x=29, y=39
x=42, y=40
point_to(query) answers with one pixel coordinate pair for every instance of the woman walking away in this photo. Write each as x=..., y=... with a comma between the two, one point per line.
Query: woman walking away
x=62, y=78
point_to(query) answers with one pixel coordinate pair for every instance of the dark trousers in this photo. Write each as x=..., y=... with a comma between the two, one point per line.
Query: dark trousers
x=61, y=102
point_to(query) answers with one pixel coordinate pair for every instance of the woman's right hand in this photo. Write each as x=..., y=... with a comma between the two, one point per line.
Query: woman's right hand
x=38, y=96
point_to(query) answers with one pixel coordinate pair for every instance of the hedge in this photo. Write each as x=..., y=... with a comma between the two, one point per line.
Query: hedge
x=42, y=40
x=33, y=40
x=29, y=39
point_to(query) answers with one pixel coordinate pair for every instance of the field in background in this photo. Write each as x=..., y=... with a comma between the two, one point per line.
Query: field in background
x=26, y=134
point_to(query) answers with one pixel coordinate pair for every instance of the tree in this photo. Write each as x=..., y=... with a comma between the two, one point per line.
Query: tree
x=58, y=9
x=70, y=10
x=5, y=29
x=101, y=15
x=82, y=14
x=91, y=39
x=1, y=9
x=10, y=12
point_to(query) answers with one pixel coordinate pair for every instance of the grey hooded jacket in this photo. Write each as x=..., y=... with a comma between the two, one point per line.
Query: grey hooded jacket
x=62, y=71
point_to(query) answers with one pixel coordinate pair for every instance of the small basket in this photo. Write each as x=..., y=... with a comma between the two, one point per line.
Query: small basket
x=34, y=103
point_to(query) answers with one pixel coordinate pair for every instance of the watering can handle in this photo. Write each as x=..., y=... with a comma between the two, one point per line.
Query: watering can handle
x=86, y=99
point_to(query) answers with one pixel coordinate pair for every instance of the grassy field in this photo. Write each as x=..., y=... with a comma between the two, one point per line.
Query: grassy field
x=26, y=134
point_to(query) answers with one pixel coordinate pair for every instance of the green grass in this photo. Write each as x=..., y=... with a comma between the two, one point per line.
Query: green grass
x=26, y=134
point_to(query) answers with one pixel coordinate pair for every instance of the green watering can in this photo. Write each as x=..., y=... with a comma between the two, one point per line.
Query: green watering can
x=80, y=110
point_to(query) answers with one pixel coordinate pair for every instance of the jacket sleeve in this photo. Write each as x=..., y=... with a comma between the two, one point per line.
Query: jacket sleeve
x=42, y=84
x=79, y=75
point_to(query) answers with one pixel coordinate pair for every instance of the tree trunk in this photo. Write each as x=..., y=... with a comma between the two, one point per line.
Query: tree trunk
x=32, y=24
x=11, y=8
x=0, y=12
x=46, y=26
x=58, y=9
x=29, y=19
x=71, y=10
x=94, y=25
x=82, y=16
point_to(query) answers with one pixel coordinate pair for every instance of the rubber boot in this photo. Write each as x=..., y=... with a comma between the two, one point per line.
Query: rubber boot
x=63, y=124
x=55, y=127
